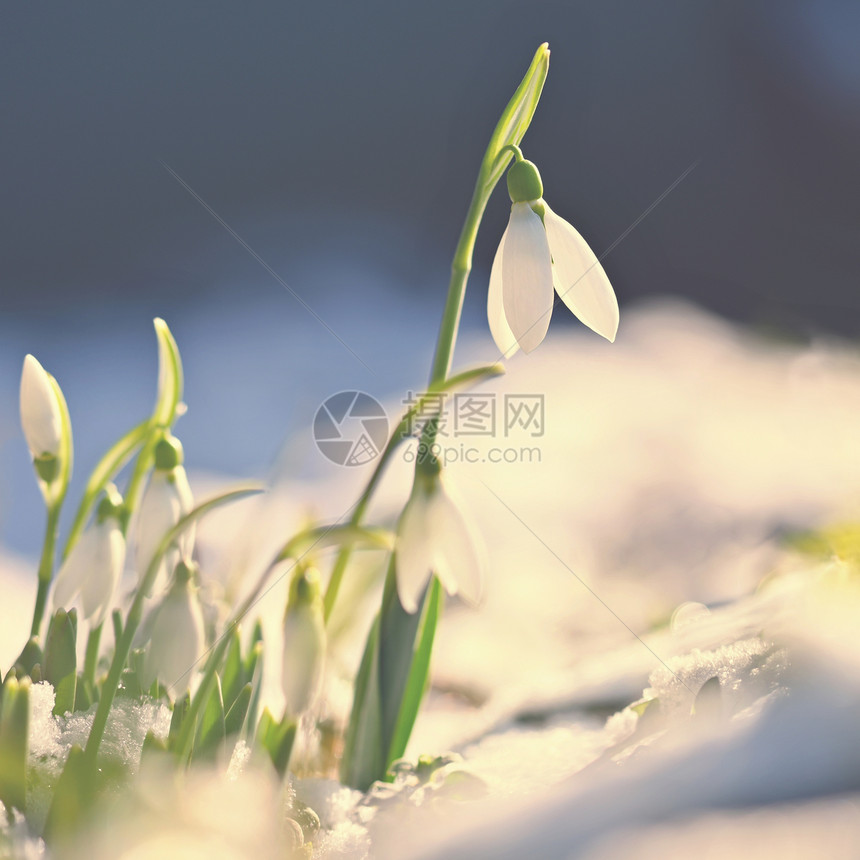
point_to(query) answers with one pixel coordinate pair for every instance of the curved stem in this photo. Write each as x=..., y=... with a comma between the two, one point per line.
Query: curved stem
x=46, y=566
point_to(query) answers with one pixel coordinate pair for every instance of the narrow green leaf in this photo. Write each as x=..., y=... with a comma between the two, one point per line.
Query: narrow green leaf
x=212, y=729
x=419, y=673
x=170, y=376
x=515, y=118
x=236, y=713
x=60, y=667
x=363, y=759
x=28, y=658
x=180, y=710
x=277, y=738
x=14, y=745
x=347, y=534
x=73, y=798
x=256, y=682
x=233, y=674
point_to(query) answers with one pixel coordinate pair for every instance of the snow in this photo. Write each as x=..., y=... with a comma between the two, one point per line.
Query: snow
x=641, y=559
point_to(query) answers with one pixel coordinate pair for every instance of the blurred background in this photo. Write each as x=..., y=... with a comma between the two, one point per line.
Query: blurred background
x=284, y=183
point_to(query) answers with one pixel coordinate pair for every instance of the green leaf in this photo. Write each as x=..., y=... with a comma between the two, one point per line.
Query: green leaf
x=256, y=676
x=419, y=673
x=363, y=759
x=212, y=729
x=515, y=119
x=170, y=376
x=180, y=710
x=28, y=658
x=233, y=673
x=235, y=718
x=14, y=745
x=60, y=667
x=73, y=797
x=277, y=738
x=322, y=537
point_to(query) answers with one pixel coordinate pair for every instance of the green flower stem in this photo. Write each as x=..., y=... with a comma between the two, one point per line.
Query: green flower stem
x=401, y=433
x=46, y=565
x=91, y=658
x=135, y=612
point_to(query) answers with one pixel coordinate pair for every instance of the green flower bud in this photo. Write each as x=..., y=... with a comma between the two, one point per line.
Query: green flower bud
x=524, y=182
x=47, y=467
x=168, y=453
x=110, y=506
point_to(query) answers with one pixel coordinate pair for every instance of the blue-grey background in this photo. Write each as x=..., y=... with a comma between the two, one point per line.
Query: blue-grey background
x=340, y=141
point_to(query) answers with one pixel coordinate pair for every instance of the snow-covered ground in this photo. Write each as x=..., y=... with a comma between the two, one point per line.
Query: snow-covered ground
x=639, y=555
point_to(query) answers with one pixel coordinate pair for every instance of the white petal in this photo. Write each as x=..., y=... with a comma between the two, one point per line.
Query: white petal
x=74, y=570
x=177, y=641
x=414, y=551
x=166, y=500
x=461, y=555
x=40, y=411
x=100, y=585
x=527, y=277
x=499, y=328
x=580, y=280
x=304, y=659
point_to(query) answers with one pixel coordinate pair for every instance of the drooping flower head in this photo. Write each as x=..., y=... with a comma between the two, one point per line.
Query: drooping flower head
x=304, y=643
x=92, y=570
x=540, y=254
x=166, y=500
x=178, y=637
x=434, y=536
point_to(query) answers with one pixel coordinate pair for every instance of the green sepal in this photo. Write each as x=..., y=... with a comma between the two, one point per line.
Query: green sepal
x=212, y=731
x=277, y=738
x=47, y=468
x=60, y=666
x=238, y=710
x=14, y=743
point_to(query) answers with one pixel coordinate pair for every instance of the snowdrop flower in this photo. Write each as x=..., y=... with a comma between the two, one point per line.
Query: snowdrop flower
x=93, y=568
x=304, y=644
x=177, y=640
x=435, y=537
x=540, y=251
x=166, y=500
x=41, y=419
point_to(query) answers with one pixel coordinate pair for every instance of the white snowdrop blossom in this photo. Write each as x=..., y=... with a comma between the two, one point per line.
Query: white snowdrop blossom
x=434, y=536
x=41, y=418
x=177, y=640
x=304, y=644
x=540, y=254
x=93, y=568
x=166, y=500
